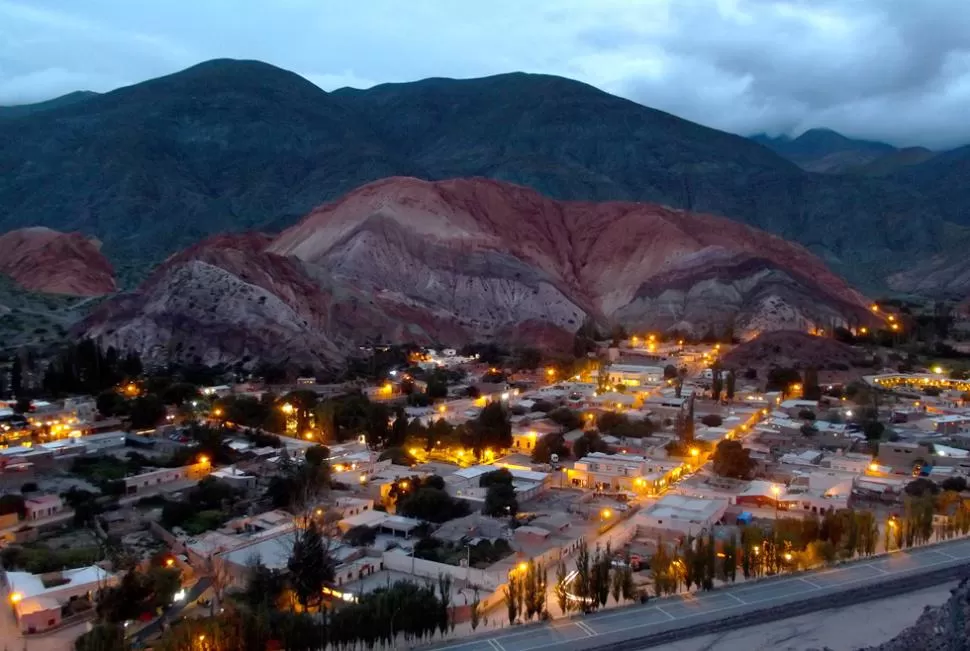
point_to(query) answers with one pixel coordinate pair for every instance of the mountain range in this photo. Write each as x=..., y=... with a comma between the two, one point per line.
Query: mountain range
x=827, y=151
x=449, y=262
x=229, y=146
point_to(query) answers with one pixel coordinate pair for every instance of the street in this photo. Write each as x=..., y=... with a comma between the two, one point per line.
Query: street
x=682, y=611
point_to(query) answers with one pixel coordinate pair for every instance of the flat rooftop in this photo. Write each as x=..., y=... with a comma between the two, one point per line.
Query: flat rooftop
x=683, y=507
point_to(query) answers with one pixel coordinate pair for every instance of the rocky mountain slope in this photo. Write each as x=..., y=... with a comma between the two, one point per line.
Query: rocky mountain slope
x=42, y=260
x=937, y=629
x=408, y=260
x=229, y=146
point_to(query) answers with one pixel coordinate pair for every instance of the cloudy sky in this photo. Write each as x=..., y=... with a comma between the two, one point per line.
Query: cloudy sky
x=897, y=70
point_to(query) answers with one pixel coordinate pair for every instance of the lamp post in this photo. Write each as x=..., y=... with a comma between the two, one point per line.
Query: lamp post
x=775, y=491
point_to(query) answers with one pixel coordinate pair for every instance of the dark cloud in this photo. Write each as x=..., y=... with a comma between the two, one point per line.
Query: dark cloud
x=897, y=70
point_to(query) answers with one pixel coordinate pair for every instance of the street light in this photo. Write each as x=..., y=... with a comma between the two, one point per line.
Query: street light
x=287, y=408
x=606, y=513
x=776, y=492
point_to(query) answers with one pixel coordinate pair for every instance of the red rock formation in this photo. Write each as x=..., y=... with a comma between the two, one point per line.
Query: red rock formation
x=447, y=262
x=44, y=260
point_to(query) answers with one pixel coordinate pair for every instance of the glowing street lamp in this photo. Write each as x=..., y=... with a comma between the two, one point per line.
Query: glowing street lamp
x=606, y=513
x=287, y=408
x=938, y=370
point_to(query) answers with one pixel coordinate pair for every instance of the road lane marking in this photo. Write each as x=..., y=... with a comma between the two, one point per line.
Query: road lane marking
x=876, y=567
x=584, y=627
x=715, y=610
x=495, y=644
x=815, y=586
x=672, y=618
x=839, y=587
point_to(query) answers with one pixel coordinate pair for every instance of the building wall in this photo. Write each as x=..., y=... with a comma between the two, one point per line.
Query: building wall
x=395, y=560
x=44, y=509
x=40, y=621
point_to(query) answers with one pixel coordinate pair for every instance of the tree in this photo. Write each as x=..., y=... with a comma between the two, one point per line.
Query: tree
x=602, y=563
x=731, y=459
x=492, y=428
x=378, y=432
x=957, y=484
x=685, y=423
x=670, y=372
x=729, y=386
x=807, y=429
x=712, y=420
x=264, y=588
x=534, y=589
x=102, y=637
x=17, y=377
x=873, y=430
x=399, y=429
x=431, y=503
x=548, y=445
x=13, y=503
x=22, y=405
x=584, y=579
x=610, y=420
x=475, y=614
x=513, y=596
x=781, y=379
x=810, y=388
x=437, y=386
x=616, y=584
x=179, y=393
x=717, y=384
x=588, y=443
x=146, y=412
x=500, y=500
x=561, y=589
x=921, y=486
x=360, y=535
x=528, y=358
x=310, y=565
x=109, y=403
x=565, y=418
x=317, y=455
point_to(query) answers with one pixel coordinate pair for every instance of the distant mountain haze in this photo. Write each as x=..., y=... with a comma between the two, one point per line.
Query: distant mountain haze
x=229, y=146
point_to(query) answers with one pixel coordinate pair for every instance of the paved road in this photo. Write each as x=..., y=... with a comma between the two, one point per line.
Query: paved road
x=622, y=626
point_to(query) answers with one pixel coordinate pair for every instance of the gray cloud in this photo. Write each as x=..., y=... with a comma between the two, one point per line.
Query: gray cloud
x=897, y=70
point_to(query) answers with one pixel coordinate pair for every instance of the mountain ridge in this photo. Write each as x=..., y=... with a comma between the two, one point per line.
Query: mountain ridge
x=229, y=146
x=447, y=262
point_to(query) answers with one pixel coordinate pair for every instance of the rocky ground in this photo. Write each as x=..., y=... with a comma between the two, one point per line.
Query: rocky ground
x=790, y=349
x=943, y=628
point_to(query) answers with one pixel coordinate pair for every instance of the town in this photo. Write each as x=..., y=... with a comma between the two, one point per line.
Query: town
x=455, y=492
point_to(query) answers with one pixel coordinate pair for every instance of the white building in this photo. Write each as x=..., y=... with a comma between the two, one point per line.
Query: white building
x=38, y=599
x=633, y=375
x=680, y=515
x=623, y=472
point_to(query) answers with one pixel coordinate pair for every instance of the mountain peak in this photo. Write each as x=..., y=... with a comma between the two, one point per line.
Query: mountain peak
x=220, y=74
